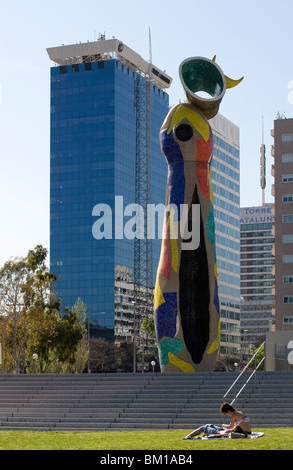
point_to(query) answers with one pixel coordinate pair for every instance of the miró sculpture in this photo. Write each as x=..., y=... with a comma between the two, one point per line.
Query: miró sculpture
x=186, y=302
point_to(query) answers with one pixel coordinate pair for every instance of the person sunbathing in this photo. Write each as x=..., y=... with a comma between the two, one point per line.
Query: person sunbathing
x=239, y=423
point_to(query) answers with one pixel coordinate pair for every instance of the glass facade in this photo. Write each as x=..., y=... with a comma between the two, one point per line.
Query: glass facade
x=226, y=194
x=93, y=149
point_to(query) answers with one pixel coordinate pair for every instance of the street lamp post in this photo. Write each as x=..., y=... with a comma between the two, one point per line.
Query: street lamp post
x=134, y=345
x=35, y=357
x=134, y=340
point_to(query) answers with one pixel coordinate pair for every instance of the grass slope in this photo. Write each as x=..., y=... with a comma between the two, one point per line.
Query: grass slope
x=273, y=439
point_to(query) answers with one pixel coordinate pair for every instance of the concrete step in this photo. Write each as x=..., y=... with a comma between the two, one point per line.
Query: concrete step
x=60, y=416
x=139, y=401
x=207, y=417
x=83, y=426
x=259, y=425
x=25, y=427
x=42, y=419
x=136, y=425
x=47, y=411
x=73, y=407
x=133, y=407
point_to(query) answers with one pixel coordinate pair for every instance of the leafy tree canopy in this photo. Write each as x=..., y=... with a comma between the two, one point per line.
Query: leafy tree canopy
x=30, y=320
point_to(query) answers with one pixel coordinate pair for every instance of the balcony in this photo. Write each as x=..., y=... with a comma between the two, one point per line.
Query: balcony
x=273, y=170
x=273, y=190
x=273, y=133
x=273, y=151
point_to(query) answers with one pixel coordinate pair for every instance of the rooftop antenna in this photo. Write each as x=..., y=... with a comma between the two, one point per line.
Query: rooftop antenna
x=263, y=166
x=150, y=47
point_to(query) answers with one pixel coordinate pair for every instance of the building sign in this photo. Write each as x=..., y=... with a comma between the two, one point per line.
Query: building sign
x=256, y=215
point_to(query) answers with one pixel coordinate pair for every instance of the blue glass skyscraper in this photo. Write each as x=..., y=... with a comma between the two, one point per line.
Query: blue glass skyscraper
x=226, y=189
x=93, y=154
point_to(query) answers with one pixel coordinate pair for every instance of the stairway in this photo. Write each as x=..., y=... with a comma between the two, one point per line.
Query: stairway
x=140, y=401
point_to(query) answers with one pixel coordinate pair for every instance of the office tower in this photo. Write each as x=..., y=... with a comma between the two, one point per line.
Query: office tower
x=282, y=190
x=256, y=274
x=226, y=189
x=98, y=109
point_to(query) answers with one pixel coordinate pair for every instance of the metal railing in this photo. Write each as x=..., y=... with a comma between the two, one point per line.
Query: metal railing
x=244, y=369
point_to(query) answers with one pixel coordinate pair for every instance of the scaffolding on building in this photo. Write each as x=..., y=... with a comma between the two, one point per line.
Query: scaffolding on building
x=143, y=250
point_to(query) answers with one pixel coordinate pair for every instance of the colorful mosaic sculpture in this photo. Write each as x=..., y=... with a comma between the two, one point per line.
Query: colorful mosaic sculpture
x=187, y=316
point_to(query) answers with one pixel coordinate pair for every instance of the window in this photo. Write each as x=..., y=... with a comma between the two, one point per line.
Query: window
x=288, y=320
x=287, y=157
x=288, y=299
x=288, y=218
x=288, y=279
x=287, y=178
x=287, y=238
x=288, y=259
x=287, y=198
x=287, y=138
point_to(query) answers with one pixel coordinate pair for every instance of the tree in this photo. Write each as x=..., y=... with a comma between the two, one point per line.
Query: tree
x=105, y=355
x=73, y=333
x=148, y=325
x=26, y=297
x=30, y=320
x=258, y=358
x=12, y=308
x=69, y=334
x=82, y=350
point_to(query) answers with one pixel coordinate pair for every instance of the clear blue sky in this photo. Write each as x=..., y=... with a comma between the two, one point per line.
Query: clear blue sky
x=251, y=39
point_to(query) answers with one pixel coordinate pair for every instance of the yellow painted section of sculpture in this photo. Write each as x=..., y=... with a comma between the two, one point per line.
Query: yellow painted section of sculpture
x=174, y=247
x=158, y=296
x=215, y=345
x=182, y=365
x=164, y=235
x=216, y=271
x=198, y=122
x=230, y=83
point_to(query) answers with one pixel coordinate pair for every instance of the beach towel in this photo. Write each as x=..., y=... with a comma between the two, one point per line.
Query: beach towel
x=233, y=435
x=254, y=435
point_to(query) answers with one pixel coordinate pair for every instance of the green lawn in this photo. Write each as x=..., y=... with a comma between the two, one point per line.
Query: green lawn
x=273, y=439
